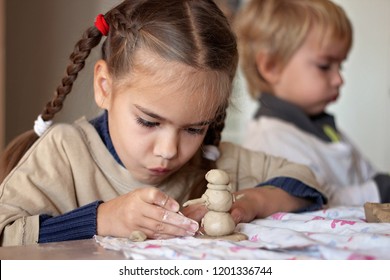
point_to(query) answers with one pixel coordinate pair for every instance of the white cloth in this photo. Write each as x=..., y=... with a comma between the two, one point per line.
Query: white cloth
x=338, y=233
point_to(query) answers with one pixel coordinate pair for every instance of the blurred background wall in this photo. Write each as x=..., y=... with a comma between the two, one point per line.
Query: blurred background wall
x=40, y=36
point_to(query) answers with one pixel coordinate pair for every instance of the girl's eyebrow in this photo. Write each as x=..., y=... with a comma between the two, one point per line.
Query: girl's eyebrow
x=149, y=113
x=158, y=117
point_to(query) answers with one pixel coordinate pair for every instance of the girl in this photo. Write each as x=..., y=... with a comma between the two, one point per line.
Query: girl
x=164, y=82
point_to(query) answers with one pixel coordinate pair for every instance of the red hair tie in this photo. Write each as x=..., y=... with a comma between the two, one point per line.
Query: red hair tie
x=101, y=24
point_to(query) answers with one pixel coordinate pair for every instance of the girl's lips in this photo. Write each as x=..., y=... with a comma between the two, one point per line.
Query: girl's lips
x=159, y=171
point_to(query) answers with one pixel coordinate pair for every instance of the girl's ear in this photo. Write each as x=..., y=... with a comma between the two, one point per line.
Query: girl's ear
x=267, y=67
x=102, y=85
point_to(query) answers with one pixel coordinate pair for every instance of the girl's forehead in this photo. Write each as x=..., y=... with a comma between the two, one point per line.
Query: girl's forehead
x=159, y=77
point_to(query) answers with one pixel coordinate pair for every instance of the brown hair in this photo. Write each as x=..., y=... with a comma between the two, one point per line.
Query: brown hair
x=192, y=32
x=279, y=27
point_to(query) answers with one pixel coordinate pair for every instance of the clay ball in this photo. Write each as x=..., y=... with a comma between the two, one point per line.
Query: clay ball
x=218, y=223
x=220, y=201
x=217, y=177
x=137, y=236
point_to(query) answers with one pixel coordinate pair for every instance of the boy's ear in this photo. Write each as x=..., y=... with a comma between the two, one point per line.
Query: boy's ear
x=267, y=67
x=102, y=84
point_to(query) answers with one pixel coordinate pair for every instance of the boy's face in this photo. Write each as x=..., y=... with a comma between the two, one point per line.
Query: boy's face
x=312, y=78
x=157, y=122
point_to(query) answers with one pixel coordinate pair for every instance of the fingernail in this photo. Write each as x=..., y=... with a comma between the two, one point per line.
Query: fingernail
x=174, y=206
x=236, y=218
x=194, y=226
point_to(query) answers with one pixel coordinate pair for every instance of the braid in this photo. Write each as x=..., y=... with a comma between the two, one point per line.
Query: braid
x=19, y=146
x=213, y=137
x=90, y=39
x=214, y=133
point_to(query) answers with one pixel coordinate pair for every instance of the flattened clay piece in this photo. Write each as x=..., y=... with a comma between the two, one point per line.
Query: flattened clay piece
x=137, y=236
x=215, y=200
x=235, y=236
x=217, y=177
x=218, y=223
x=201, y=200
x=377, y=212
x=226, y=187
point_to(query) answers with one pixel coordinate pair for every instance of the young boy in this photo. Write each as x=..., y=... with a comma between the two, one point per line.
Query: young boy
x=291, y=55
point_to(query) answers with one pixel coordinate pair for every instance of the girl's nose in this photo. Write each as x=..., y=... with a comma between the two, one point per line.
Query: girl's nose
x=166, y=145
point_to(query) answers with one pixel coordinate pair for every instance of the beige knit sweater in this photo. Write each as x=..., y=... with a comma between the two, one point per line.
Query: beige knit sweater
x=69, y=166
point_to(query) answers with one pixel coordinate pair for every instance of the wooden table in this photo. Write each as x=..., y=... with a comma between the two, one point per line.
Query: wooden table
x=86, y=249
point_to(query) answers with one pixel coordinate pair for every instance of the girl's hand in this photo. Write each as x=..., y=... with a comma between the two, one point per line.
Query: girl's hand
x=148, y=210
x=261, y=202
x=195, y=212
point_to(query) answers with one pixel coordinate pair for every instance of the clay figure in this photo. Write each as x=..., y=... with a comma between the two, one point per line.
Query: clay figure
x=218, y=199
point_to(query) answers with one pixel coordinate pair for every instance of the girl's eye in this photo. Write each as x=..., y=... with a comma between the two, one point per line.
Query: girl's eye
x=146, y=123
x=195, y=131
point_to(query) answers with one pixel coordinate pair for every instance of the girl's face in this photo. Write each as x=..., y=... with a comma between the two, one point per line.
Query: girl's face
x=158, y=117
x=312, y=78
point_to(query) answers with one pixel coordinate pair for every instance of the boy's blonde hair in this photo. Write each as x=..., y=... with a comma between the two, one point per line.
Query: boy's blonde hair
x=278, y=28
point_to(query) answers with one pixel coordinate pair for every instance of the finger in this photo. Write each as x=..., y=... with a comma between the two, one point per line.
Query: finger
x=168, y=203
x=161, y=199
x=153, y=235
x=158, y=229
x=238, y=215
x=180, y=220
x=177, y=220
x=150, y=234
x=195, y=212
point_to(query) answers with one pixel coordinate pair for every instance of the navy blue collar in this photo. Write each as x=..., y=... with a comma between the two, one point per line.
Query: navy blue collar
x=272, y=106
x=101, y=125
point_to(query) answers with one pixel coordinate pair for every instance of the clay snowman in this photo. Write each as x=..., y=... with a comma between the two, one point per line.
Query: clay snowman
x=218, y=199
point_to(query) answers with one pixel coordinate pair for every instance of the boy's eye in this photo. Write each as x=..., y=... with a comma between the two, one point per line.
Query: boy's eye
x=146, y=123
x=324, y=67
x=195, y=131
